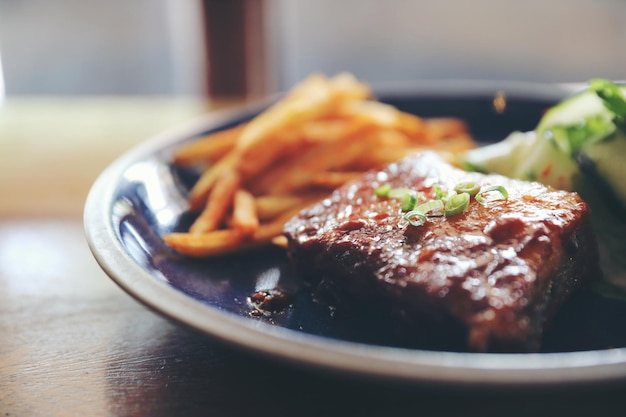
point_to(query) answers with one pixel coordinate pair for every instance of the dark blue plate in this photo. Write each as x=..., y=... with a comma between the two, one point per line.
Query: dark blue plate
x=141, y=196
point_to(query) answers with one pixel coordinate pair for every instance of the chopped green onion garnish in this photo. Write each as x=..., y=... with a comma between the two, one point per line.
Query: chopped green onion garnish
x=449, y=195
x=432, y=208
x=457, y=204
x=415, y=218
x=409, y=200
x=439, y=193
x=383, y=190
x=398, y=192
x=407, y=197
x=480, y=197
x=470, y=188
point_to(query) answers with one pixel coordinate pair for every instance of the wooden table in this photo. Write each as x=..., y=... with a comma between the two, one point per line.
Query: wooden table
x=73, y=344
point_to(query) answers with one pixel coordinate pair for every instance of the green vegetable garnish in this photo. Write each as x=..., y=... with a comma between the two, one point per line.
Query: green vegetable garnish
x=415, y=218
x=481, y=197
x=433, y=208
x=407, y=197
x=571, y=138
x=439, y=192
x=612, y=96
x=470, y=188
x=457, y=204
x=398, y=192
x=578, y=145
x=409, y=200
x=383, y=190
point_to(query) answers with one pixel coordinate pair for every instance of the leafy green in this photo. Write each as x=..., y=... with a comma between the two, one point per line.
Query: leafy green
x=612, y=97
x=571, y=138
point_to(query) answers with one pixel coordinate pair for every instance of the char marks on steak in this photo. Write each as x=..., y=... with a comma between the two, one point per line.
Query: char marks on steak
x=498, y=271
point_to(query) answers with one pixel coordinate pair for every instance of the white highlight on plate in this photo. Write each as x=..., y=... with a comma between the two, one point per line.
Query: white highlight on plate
x=268, y=279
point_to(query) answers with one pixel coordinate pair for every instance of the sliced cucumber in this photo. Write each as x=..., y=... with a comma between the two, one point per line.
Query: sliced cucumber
x=572, y=110
x=524, y=156
x=546, y=163
x=501, y=157
x=577, y=125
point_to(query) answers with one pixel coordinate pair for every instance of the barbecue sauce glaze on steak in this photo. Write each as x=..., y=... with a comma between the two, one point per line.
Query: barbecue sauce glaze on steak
x=498, y=271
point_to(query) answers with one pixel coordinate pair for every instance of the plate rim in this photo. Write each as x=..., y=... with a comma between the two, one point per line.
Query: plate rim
x=413, y=365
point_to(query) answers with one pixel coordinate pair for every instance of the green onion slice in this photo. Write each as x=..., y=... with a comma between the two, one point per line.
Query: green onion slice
x=383, y=190
x=415, y=218
x=433, y=208
x=439, y=192
x=398, y=192
x=457, y=204
x=409, y=200
x=449, y=195
x=481, y=196
x=469, y=187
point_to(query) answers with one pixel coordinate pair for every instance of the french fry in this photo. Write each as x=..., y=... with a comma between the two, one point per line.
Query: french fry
x=386, y=116
x=455, y=144
x=253, y=161
x=268, y=231
x=299, y=171
x=315, y=97
x=445, y=127
x=389, y=145
x=220, y=200
x=377, y=113
x=245, y=218
x=348, y=86
x=201, y=189
x=225, y=241
x=320, y=135
x=280, y=241
x=322, y=131
x=217, y=242
x=208, y=148
x=272, y=206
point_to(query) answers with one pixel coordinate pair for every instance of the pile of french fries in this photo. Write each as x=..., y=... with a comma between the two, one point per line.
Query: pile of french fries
x=324, y=132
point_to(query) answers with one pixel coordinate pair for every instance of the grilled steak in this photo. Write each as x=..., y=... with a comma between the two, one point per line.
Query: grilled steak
x=498, y=271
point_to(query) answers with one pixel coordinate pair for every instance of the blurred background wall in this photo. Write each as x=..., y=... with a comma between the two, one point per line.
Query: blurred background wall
x=101, y=47
x=161, y=46
x=537, y=40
